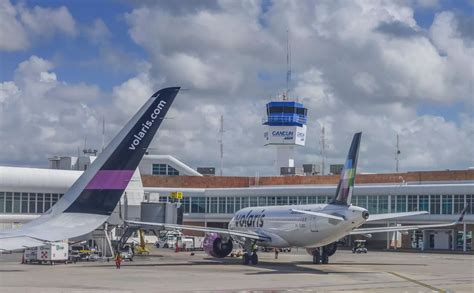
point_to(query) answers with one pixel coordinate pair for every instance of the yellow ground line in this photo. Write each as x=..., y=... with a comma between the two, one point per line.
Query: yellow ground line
x=418, y=282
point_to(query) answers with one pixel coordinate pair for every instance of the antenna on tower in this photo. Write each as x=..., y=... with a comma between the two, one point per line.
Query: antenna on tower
x=322, y=150
x=397, y=155
x=221, y=144
x=288, y=66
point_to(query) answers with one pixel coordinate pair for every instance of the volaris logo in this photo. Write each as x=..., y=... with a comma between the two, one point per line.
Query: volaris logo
x=146, y=126
x=250, y=219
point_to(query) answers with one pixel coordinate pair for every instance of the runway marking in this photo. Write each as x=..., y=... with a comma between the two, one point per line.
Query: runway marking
x=418, y=282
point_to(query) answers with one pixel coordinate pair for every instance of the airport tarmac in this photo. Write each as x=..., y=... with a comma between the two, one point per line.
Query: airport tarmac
x=167, y=271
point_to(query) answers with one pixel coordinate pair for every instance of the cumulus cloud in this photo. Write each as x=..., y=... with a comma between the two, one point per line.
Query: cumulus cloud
x=42, y=115
x=19, y=24
x=357, y=66
x=98, y=32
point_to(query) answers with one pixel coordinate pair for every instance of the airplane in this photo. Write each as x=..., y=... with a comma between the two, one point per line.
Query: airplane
x=316, y=227
x=89, y=202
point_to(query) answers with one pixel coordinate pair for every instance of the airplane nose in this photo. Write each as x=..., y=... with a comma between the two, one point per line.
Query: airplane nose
x=365, y=215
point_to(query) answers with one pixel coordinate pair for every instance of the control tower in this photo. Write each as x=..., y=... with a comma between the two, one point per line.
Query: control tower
x=285, y=129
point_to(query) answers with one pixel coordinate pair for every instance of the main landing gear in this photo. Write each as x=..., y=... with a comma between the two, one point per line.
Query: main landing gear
x=321, y=255
x=250, y=258
x=250, y=255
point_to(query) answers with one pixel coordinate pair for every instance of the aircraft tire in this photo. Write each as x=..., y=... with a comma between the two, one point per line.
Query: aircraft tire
x=316, y=258
x=325, y=259
x=254, y=259
x=245, y=259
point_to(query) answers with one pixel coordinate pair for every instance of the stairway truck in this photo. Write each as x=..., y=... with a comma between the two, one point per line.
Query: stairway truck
x=53, y=252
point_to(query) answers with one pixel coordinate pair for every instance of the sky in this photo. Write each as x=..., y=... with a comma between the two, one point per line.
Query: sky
x=380, y=67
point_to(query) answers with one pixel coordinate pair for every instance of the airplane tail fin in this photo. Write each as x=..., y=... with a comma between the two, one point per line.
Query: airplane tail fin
x=346, y=182
x=100, y=187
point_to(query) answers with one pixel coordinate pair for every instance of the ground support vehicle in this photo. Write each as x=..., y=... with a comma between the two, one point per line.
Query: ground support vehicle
x=359, y=246
x=54, y=252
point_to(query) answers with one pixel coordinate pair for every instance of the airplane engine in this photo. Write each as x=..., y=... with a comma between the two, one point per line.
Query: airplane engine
x=215, y=246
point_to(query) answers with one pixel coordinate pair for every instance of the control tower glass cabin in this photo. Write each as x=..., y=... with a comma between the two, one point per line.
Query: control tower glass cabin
x=285, y=128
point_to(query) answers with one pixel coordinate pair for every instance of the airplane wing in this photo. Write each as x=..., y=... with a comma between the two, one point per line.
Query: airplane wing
x=407, y=228
x=89, y=202
x=12, y=243
x=393, y=216
x=323, y=215
x=249, y=235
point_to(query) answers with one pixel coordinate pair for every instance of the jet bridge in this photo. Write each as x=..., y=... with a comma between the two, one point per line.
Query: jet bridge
x=155, y=212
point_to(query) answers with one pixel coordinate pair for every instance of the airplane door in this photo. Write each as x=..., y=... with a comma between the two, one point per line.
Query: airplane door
x=312, y=224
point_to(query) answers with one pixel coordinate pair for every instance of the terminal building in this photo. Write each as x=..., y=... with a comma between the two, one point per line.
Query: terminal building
x=25, y=193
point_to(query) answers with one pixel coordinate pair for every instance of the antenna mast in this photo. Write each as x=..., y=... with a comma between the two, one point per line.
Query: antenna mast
x=397, y=155
x=322, y=150
x=288, y=66
x=221, y=144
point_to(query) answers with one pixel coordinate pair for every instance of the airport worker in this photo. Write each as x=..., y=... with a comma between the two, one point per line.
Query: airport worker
x=118, y=260
x=276, y=253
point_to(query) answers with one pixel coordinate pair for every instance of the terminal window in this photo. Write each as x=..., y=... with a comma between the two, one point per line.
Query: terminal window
x=159, y=169
x=401, y=203
x=383, y=204
x=424, y=203
x=221, y=205
x=435, y=204
x=16, y=202
x=230, y=205
x=447, y=207
x=2, y=202
x=237, y=203
x=164, y=169
x=253, y=201
x=302, y=200
x=24, y=203
x=372, y=205
x=172, y=171
x=458, y=203
x=32, y=204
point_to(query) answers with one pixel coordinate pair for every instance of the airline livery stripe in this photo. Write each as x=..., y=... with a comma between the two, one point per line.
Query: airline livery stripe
x=110, y=179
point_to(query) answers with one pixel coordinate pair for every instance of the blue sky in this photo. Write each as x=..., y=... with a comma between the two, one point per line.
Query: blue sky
x=403, y=67
x=73, y=54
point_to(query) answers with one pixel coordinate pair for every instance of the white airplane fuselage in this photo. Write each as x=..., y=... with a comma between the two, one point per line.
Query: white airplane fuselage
x=287, y=228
